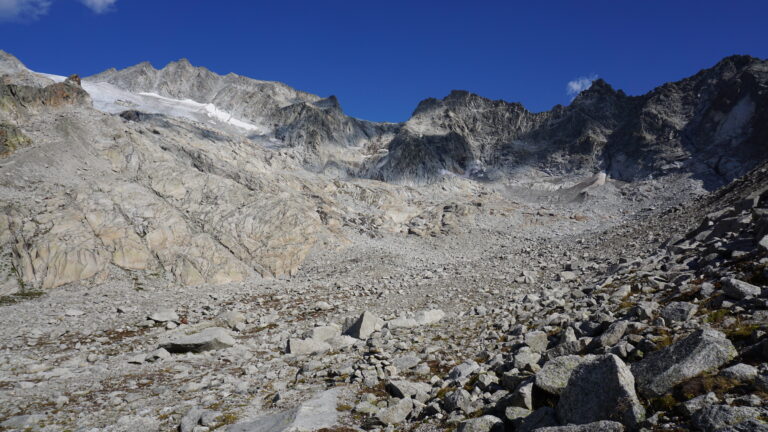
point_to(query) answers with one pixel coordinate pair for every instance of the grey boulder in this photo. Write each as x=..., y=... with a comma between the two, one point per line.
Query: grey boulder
x=365, y=325
x=603, y=389
x=397, y=412
x=738, y=289
x=554, y=376
x=600, y=426
x=701, y=351
x=717, y=417
x=486, y=423
x=678, y=312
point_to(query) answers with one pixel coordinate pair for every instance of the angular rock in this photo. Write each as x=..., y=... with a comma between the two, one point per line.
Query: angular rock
x=231, y=319
x=307, y=346
x=463, y=371
x=427, y=317
x=542, y=417
x=763, y=243
x=701, y=351
x=741, y=372
x=514, y=414
x=486, y=423
x=323, y=333
x=601, y=426
x=365, y=326
x=691, y=406
x=554, y=376
x=678, y=312
x=458, y=399
x=396, y=413
x=603, y=389
x=524, y=357
x=738, y=289
x=716, y=417
x=164, y=315
x=537, y=341
x=610, y=337
x=414, y=390
x=191, y=419
x=212, y=338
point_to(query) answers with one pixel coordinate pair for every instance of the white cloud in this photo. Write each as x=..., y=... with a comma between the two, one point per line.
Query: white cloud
x=99, y=6
x=579, y=84
x=23, y=10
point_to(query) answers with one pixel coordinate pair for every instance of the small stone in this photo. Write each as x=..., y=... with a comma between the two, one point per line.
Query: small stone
x=73, y=312
x=158, y=355
x=212, y=338
x=164, y=315
x=307, y=346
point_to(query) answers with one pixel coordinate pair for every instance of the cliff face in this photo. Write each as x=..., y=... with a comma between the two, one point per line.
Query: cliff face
x=711, y=125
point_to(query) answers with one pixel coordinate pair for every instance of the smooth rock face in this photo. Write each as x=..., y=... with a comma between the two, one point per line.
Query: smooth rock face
x=699, y=352
x=212, y=338
x=556, y=373
x=486, y=423
x=603, y=389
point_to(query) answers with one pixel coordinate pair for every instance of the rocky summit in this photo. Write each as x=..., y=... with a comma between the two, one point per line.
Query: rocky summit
x=182, y=250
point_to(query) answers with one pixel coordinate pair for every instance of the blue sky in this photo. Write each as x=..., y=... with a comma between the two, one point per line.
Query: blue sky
x=381, y=58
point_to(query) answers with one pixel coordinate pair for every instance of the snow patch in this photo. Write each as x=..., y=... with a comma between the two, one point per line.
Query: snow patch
x=114, y=100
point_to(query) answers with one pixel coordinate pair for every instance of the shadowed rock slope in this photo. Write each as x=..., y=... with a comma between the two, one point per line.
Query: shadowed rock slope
x=712, y=125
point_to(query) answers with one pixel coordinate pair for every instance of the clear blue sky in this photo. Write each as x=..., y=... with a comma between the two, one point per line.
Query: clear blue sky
x=381, y=58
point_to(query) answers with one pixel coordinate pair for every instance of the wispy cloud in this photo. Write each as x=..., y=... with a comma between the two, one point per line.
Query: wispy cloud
x=99, y=6
x=579, y=84
x=23, y=10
